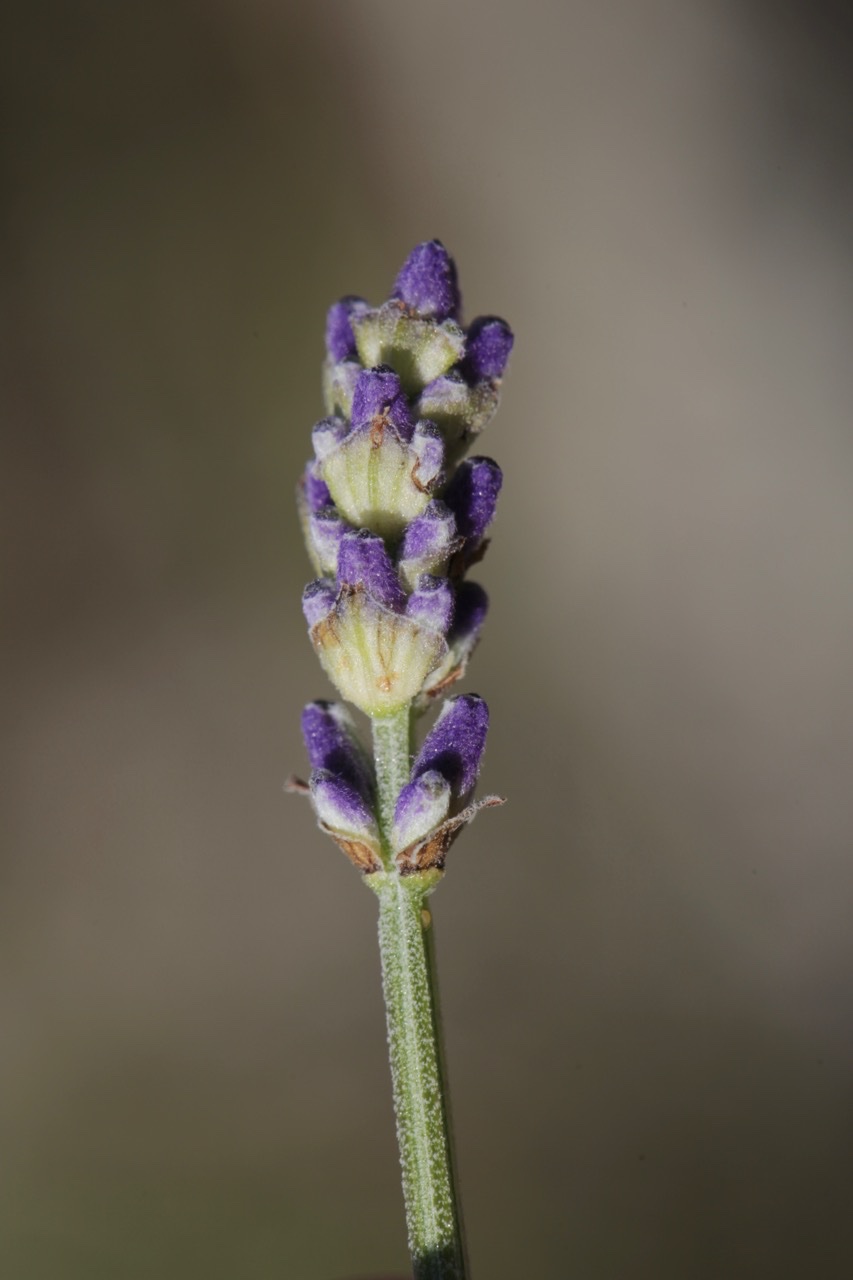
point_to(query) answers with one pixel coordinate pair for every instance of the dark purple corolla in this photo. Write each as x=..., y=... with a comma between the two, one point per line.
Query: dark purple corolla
x=428, y=284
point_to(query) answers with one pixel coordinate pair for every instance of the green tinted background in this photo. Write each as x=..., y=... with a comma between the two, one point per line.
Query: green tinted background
x=646, y=955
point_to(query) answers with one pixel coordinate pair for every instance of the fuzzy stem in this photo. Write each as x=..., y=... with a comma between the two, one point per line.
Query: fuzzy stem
x=392, y=753
x=414, y=1038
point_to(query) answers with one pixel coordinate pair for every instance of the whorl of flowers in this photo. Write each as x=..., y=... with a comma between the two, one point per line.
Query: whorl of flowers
x=394, y=515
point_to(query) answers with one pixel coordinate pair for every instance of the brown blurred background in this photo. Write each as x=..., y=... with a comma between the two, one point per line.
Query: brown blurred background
x=646, y=956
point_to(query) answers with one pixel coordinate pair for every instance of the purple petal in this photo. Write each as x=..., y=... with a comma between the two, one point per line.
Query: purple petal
x=454, y=746
x=427, y=282
x=472, y=496
x=431, y=603
x=421, y=806
x=327, y=529
x=472, y=605
x=378, y=394
x=340, y=339
x=327, y=434
x=318, y=600
x=487, y=348
x=316, y=491
x=340, y=806
x=364, y=562
x=428, y=444
x=332, y=743
x=430, y=536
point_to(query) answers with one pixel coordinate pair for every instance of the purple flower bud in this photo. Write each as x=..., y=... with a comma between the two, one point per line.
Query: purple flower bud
x=364, y=562
x=427, y=282
x=454, y=746
x=340, y=339
x=470, y=608
x=316, y=491
x=472, y=496
x=378, y=394
x=428, y=444
x=487, y=348
x=428, y=542
x=472, y=605
x=327, y=434
x=332, y=744
x=431, y=603
x=340, y=806
x=318, y=600
x=326, y=529
x=421, y=806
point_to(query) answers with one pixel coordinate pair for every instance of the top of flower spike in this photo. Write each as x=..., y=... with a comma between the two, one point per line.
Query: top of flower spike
x=427, y=282
x=449, y=375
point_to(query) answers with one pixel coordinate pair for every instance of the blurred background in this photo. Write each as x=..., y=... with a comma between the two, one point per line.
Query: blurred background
x=646, y=957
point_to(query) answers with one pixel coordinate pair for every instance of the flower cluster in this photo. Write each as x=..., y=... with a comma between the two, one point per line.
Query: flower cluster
x=430, y=808
x=393, y=516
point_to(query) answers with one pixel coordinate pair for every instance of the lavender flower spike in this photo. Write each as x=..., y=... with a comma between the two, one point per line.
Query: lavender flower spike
x=393, y=517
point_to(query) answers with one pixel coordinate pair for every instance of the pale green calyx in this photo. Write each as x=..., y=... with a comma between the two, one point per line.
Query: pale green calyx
x=460, y=411
x=417, y=350
x=376, y=658
x=379, y=482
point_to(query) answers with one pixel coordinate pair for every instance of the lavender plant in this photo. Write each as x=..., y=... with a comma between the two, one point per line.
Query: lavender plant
x=394, y=515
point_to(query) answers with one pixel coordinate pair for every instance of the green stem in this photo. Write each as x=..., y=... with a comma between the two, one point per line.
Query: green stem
x=414, y=1035
x=392, y=753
